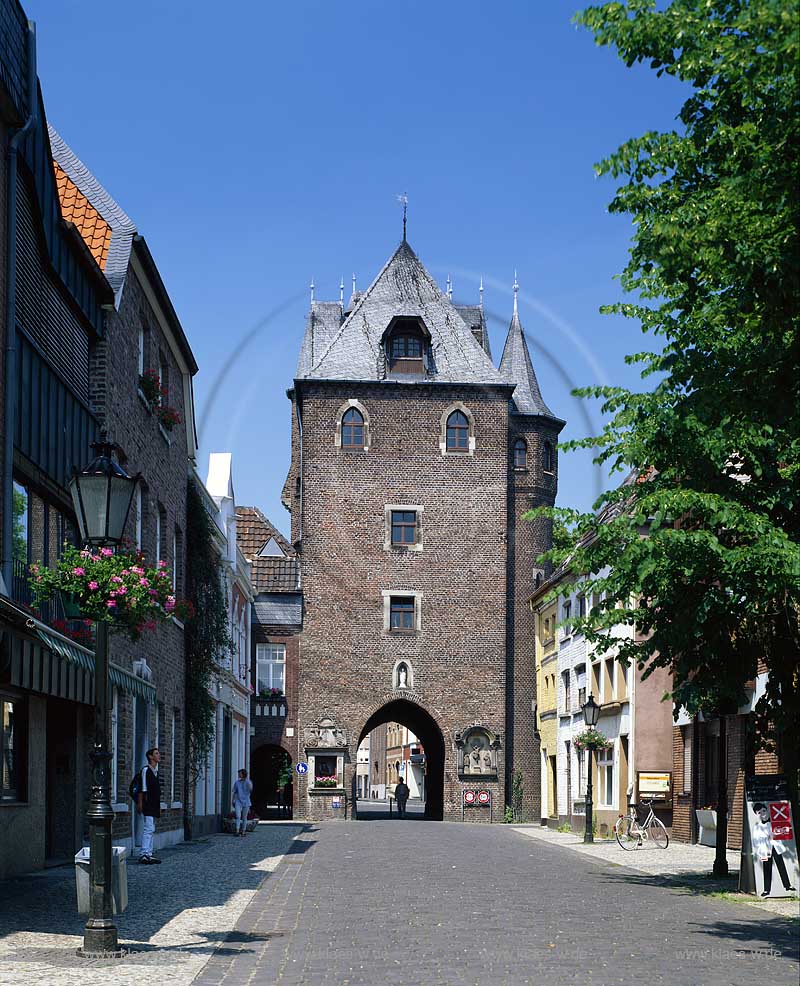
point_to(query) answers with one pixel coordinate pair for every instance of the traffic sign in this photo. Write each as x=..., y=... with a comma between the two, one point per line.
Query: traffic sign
x=469, y=797
x=483, y=797
x=302, y=767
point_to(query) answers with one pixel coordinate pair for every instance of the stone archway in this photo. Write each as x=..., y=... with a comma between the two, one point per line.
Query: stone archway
x=270, y=800
x=407, y=712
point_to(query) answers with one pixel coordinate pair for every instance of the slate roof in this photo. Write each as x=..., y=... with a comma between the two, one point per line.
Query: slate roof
x=78, y=186
x=516, y=366
x=253, y=531
x=475, y=320
x=278, y=609
x=403, y=287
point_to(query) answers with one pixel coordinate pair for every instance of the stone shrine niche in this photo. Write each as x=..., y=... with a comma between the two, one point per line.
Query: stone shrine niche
x=402, y=675
x=477, y=752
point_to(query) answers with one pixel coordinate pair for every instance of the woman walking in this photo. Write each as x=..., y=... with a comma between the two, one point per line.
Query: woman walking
x=242, y=790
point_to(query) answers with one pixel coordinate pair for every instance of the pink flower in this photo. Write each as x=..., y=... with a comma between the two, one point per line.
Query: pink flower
x=111, y=603
x=93, y=586
x=153, y=593
x=143, y=582
x=115, y=578
x=125, y=571
x=170, y=605
x=122, y=590
x=162, y=563
x=79, y=571
x=137, y=571
x=34, y=568
x=106, y=552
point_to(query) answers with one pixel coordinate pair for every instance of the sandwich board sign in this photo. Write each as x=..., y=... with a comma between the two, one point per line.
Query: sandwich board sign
x=769, y=843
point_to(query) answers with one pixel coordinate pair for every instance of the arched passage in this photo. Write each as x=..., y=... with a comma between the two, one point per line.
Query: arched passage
x=425, y=727
x=271, y=773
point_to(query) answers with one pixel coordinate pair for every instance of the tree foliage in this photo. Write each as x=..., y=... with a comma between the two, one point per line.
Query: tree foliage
x=713, y=448
x=207, y=636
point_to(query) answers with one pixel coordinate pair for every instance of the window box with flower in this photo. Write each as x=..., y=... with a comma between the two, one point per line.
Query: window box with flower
x=156, y=395
x=593, y=738
x=326, y=781
x=116, y=587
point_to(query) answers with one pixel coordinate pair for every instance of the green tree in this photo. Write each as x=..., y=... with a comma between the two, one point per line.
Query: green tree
x=713, y=448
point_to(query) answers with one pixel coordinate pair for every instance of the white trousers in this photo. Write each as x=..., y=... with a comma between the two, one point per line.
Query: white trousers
x=148, y=831
x=241, y=815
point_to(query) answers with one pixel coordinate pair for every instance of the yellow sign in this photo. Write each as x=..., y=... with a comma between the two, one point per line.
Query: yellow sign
x=656, y=786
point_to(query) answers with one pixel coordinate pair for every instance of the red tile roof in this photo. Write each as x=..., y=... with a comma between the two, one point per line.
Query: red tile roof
x=78, y=210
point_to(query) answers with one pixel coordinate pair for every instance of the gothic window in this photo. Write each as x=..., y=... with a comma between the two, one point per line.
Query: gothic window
x=457, y=432
x=520, y=454
x=353, y=429
x=548, y=461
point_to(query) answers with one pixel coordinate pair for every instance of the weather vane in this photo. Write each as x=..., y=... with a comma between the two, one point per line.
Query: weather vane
x=403, y=200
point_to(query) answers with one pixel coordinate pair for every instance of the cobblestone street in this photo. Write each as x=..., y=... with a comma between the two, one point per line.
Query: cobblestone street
x=433, y=904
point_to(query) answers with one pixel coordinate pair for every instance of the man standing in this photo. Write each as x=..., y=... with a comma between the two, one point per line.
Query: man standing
x=148, y=804
x=401, y=793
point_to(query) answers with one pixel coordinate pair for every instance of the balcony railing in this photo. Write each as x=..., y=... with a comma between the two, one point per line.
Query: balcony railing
x=22, y=593
x=270, y=705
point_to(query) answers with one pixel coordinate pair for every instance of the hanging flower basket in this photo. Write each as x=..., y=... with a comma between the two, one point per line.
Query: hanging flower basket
x=591, y=737
x=117, y=588
x=72, y=608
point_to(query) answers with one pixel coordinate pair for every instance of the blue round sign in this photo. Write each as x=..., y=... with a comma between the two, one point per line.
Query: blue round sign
x=301, y=768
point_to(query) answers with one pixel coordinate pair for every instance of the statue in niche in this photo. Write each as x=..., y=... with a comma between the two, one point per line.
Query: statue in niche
x=402, y=676
x=477, y=749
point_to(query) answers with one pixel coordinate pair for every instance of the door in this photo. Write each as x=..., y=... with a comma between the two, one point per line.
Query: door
x=63, y=834
x=227, y=755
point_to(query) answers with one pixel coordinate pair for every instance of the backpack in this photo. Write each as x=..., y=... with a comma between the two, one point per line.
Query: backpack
x=135, y=786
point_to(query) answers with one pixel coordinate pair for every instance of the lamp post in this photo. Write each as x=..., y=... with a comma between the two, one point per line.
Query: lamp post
x=591, y=713
x=101, y=494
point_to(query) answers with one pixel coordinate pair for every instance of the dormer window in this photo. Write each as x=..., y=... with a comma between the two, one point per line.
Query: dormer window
x=405, y=346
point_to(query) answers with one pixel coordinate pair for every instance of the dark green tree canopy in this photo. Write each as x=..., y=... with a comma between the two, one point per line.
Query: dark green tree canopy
x=699, y=548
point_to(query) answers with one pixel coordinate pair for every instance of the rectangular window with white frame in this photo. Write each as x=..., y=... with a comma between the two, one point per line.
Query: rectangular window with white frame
x=270, y=668
x=605, y=777
x=172, y=750
x=687, y=736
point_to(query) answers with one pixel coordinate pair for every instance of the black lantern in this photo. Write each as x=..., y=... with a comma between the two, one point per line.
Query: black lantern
x=591, y=711
x=102, y=494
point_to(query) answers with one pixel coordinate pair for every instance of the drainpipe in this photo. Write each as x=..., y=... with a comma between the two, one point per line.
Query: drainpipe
x=11, y=316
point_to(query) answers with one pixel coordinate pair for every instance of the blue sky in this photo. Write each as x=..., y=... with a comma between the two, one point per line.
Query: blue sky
x=259, y=145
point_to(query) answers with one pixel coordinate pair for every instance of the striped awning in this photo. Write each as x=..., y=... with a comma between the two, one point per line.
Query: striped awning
x=70, y=651
x=131, y=683
x=76, y=654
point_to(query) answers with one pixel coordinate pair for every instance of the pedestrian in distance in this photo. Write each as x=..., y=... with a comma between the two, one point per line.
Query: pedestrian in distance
x=401, y=793
x=242, y=789
x=148, y=804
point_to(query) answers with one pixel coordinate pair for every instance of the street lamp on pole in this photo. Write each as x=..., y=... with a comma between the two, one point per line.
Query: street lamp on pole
x=591, y=713
x=102, y=494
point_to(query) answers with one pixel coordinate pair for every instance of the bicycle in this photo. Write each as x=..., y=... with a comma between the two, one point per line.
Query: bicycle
x=632, y=834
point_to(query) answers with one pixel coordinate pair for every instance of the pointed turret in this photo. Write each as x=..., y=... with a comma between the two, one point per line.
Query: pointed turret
x=517, y=367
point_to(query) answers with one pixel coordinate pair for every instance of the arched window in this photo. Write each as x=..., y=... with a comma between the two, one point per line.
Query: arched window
x=457, y=432
x=353, y=429
x=520, y=454
x=548, y=461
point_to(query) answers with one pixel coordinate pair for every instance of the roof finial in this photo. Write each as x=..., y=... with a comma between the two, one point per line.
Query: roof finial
x=449, y=289
x=341, y=291
x=403, y=200
x=354, y=283
x=516, y=289
x=480, y=292
x=312, y=290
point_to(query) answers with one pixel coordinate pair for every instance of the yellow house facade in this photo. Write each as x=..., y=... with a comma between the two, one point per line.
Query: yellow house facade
x=546, y=618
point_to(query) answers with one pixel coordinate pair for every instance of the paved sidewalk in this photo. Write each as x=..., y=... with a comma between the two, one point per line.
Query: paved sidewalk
x=674, y=864
x=178, y=913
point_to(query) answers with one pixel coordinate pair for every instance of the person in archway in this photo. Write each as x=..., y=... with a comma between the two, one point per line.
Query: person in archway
x=242, y=790
x=401, y=793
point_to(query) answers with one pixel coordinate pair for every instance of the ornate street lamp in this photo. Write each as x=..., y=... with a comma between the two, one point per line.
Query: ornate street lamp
x=591, y=713
x=102, y=494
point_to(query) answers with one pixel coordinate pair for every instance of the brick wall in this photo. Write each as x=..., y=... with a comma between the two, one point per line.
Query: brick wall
x=161, y=459
x=458, y=655
x=529, y=488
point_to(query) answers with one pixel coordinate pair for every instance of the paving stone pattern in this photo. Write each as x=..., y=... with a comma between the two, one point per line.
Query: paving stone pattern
x=178, y=914
x=409, y=903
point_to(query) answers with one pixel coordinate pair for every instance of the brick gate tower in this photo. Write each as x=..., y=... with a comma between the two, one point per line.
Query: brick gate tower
x=413, y=460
